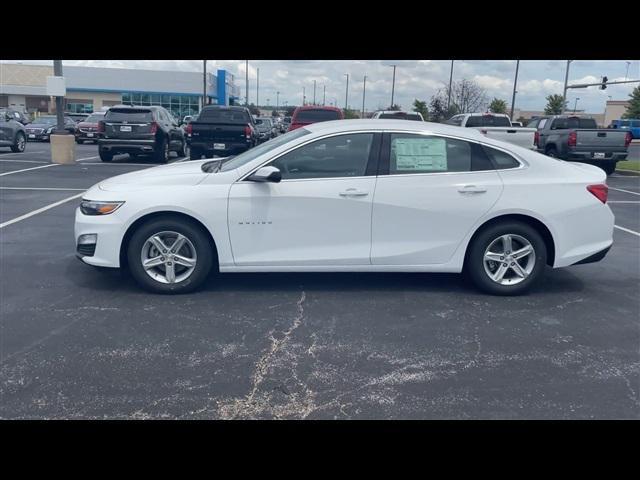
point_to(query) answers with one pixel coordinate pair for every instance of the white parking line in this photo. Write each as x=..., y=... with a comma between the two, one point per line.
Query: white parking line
x=86, y=158
x=623, y=201
x=27, y=169
x=48, y=188
x=40, y=210
x=637, y=234
x=20, y=161
x=22, y=153
x=625, y=191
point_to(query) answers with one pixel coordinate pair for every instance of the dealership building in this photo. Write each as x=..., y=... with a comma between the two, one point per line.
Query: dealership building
x=89, y=89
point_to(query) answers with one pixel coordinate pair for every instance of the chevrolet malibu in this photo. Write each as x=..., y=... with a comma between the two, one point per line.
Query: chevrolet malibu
x=357, y=196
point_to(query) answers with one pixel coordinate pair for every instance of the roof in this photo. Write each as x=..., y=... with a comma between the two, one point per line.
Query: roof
x=318, y=107
x=390, y=124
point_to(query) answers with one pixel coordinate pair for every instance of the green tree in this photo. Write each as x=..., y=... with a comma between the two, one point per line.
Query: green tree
x=438, y=111
x=421, y=108
x=498, y=106
x=350, y=113
x=633, y=110
x=554, y=105
x=274, y=113
x=254, y=110
x=395, y=107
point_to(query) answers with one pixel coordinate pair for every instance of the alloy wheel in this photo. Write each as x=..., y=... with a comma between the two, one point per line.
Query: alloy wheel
x=168, y=257
x=509, y=259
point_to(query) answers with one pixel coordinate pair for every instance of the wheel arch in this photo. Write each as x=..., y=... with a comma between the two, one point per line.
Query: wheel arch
x=535, y=223
x=163, y=213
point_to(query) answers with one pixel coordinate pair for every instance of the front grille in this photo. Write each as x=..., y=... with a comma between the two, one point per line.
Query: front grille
x=87, y=250
x=37, y=131
x=88, y=129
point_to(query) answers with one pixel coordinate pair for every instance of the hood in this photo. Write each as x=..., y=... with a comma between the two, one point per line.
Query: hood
x=39, y=125
x=176, y=174
x=87, y=124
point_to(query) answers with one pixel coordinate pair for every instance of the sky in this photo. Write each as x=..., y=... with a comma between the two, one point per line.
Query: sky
x=415, y=79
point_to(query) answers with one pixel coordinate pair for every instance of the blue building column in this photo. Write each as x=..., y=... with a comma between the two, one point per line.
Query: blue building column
x=222, y=87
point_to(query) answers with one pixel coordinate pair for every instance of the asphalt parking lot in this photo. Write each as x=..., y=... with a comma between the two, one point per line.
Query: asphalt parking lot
x=77, y=342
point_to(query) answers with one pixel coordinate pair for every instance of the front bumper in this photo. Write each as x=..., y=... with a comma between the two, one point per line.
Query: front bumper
x=109, y=230
x=95, y=136
x=37, y=137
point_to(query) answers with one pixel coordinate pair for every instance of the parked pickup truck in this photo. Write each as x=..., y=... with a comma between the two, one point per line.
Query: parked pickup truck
x=221, y=130
x=579, y=139
x=497, y=126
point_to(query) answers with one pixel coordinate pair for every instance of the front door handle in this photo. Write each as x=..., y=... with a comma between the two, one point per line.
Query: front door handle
x=471, y=190
x=353, y=192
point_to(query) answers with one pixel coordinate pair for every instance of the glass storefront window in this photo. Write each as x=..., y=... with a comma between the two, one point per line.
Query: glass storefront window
x=79, y=107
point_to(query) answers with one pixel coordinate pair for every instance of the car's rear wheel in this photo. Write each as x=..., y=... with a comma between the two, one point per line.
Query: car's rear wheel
x=184, y=149
x=168, y=255
x=162, y=154
x=609, y=167
x=506, y=258
x=20, y=143
x=551, y=152
x=105, y=156
x=195, y=154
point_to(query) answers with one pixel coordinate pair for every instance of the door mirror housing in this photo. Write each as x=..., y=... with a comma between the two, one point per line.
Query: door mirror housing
x=266, y=174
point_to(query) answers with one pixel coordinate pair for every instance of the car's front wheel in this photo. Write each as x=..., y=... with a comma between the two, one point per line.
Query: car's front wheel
x=105, y=156
x=506, y=258
x=170, y=255
x=20, y=143
x=162, y=153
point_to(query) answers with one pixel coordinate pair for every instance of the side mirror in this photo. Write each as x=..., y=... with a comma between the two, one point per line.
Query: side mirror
x=266, y=174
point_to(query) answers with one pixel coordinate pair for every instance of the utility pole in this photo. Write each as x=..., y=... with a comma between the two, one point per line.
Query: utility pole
x=575, y=105
x=258, y=88
x=57, y=71
x=450, y=83
x=364, y=90
x=566, y=80
x=277, y=100
x=314, y=92
x=515, y=83
x=393, y=84
x=346, y=95
x=204, y=84
x=246, y=79
x=304, y=97
x=626, y=75
x=324, y=95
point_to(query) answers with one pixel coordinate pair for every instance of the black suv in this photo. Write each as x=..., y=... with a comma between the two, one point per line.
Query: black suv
x=12, y=133
x=140, y=131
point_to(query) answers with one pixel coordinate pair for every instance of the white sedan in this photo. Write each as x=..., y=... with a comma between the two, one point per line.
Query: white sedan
x=357, y=196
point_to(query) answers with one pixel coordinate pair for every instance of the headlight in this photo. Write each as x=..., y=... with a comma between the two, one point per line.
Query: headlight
x=50, y=130
x=89, y=207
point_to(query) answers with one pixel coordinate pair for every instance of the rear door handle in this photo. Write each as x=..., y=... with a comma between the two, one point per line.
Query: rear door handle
x=353, y=192
x=471, y=190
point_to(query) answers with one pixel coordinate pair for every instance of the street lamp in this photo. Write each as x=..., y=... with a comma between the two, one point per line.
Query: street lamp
x=364, y=91
x=450, y=82
x=393, y=83
x=258, y=88
x=277, y=100
x=314, y=92
x=566, y=80
x=515, y=84
x=346, y=95
x=324, y=95
x=304, y=97
x=575, y=105
x=246, y=79
x=627, y=74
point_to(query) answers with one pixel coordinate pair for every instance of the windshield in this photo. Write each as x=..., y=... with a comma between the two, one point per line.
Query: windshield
x=265, y=122
x=312, y=116
x=94, y=118
x=46, y=120
x=255, y=152
x=401, y=116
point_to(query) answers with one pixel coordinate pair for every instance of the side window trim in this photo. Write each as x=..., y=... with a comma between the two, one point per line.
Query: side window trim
x=373, y=163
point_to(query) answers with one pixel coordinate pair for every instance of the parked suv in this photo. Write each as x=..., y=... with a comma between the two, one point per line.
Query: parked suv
x=12, y=133
x=17, y=115
x=139, y=131
x=87, y=130
x=312, y=114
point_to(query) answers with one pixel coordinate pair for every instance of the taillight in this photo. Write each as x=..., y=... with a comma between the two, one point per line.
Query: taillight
x=536, y=138
x=627, y=139
x=600, y=191
x=573, y=139
x=101, y=126
x=247, y=132
x=154, y=127
x=189, y=129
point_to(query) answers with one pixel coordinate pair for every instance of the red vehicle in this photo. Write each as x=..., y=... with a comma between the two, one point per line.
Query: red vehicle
x=312, y=114
x=87, y=130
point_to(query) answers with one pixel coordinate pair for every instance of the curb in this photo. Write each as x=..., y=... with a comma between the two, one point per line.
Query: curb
x=630, y=173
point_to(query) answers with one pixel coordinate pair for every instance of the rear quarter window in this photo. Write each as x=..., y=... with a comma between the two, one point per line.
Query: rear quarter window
x=501, y=160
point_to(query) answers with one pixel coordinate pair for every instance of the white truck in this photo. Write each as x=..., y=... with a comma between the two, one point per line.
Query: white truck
x=497, y=126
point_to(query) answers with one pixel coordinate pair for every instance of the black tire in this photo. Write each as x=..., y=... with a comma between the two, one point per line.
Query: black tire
x=474, y=267
x=20, y=143
x=609, y=167
x=79, y=142
x=105, y=156
x=551, y=152
x=183, y=150
x=194, y=233
x=195, y=154
x=162, y=153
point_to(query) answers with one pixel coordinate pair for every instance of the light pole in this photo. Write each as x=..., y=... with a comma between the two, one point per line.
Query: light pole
x=314, y=92
x=566, y=80
x=258, y=88
x=57, y=71
x=393, y=83
x=575, y=105
x=277, y=100
x=515, y=84
x=246, y=79
x=364, y=91
x=449, y=92
x=304, y=97
x=324, y=95
x=626, y=75
x=346, y=95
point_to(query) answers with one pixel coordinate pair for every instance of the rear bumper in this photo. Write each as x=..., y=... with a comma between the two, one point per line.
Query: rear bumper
x=589, y=156
x=229, y=147
x=127, y=146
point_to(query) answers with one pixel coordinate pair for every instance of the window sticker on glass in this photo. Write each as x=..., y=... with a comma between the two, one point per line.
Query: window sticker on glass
x=419, y=154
